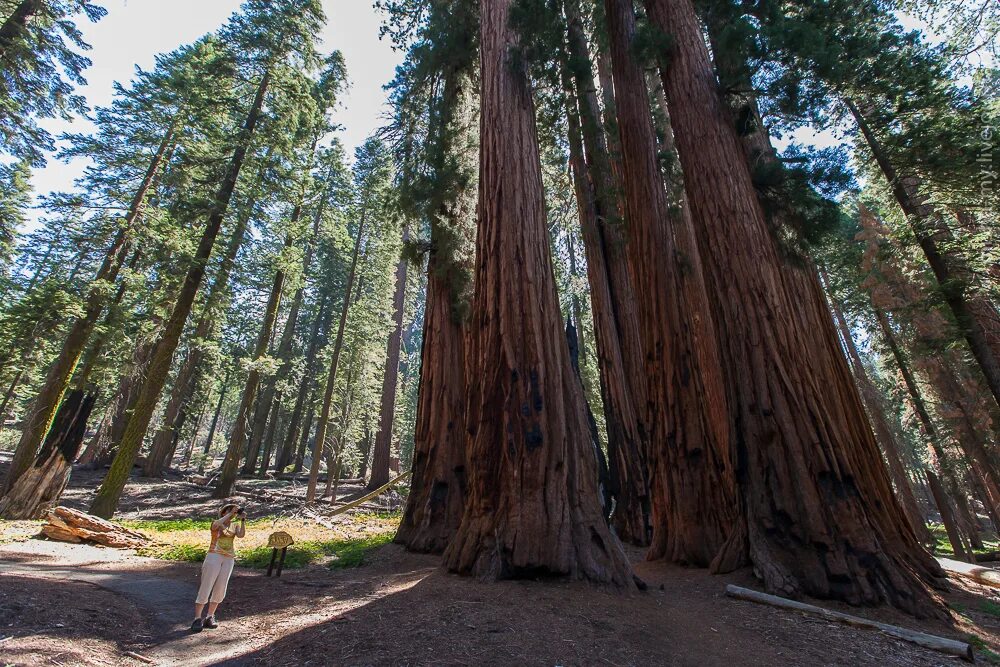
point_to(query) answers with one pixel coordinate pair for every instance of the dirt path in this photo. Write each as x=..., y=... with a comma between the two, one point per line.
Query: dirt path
x=165, y=601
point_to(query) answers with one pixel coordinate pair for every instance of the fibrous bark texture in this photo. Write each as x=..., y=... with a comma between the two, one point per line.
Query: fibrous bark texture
x=533, y=506
x=693, y=485
x=819, y=510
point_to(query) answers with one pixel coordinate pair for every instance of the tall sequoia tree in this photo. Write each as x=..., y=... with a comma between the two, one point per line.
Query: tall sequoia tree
x=267, y=36
x=818, y=507
x=533, y=503
x=694, y=494
x=437, y=489
x=620, y=348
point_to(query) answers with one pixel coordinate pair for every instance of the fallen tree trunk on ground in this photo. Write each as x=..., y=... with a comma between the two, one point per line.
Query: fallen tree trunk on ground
x=69, y=525
x=942, y=644
x=981, y=575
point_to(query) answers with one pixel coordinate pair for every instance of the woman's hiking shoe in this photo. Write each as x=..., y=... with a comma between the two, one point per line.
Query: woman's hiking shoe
x=197, y=625
x=210, y=623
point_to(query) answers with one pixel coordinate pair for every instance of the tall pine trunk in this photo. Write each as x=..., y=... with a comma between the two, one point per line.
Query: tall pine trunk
x=338, y=345
x=106, y=501
x=817, y=503
x=238, y=438
x=57, y=380
x=387, y=409
x=270, y=394
x=190, y=372
x=533, y=504
x=977, y=316
x=320, y=324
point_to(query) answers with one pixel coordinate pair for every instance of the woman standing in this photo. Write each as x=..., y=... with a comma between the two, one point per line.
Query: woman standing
x=218, y=565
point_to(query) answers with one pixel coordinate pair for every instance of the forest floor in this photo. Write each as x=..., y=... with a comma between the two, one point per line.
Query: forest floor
x=352, y=598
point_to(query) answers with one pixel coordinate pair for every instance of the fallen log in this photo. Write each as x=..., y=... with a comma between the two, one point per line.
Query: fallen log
x=981, y=575
x=69, y=525
x=942, y=644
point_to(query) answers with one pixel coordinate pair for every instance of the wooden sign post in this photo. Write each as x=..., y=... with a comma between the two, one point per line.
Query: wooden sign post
x=279, y=540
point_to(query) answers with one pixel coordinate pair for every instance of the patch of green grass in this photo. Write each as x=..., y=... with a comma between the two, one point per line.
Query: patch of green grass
x=990, y=607
x=983, y=649
x=387, y=515
x=341, y=553
x=183, y=552
x=942, y=546
x=173, y=525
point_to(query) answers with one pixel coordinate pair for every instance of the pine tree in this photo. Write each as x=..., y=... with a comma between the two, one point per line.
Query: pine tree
x=41, y=63
x=268, y=37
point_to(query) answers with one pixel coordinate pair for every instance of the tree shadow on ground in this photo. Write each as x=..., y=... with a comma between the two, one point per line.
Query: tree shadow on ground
x=423, y=615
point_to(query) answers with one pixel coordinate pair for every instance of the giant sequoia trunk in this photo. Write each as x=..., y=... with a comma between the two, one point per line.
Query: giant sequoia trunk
x=45, y=405
x=387, y=410
x=818, y=507
x=533, y=505
x=693, y=486
x=38, y=489
x=106, y=501
x=437, y=488
x=613, y=301
x=976, y=315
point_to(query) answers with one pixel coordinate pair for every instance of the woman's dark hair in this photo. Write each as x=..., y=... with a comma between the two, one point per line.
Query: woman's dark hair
x=225, y=509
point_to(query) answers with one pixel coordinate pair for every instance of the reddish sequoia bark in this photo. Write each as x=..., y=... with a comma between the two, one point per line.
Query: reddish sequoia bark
x=434, y=506
x=438, y=485
x=387, y=411
x=883, y=432
x=818, y=506
x=532, y=505
x=613, y=302
x=693, y=486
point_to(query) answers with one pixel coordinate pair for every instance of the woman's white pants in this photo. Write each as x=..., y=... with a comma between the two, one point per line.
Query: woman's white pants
x=215, y=572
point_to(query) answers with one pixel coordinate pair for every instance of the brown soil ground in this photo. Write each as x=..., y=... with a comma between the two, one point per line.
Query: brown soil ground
x=402, y=609
x=67, y=623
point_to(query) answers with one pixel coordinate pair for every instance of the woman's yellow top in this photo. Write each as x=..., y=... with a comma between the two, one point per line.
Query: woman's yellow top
x=223, y=542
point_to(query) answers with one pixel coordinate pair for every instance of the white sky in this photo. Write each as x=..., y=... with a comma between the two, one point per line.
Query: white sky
x=134, y=31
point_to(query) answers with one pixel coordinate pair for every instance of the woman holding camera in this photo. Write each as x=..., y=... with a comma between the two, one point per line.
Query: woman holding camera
x=218, y=565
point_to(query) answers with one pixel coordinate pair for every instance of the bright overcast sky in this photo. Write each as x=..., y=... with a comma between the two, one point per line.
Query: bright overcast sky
x=134, y=31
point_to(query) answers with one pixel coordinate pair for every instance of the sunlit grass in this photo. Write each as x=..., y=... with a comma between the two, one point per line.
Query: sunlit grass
x=942, y=546
x=343, y=543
